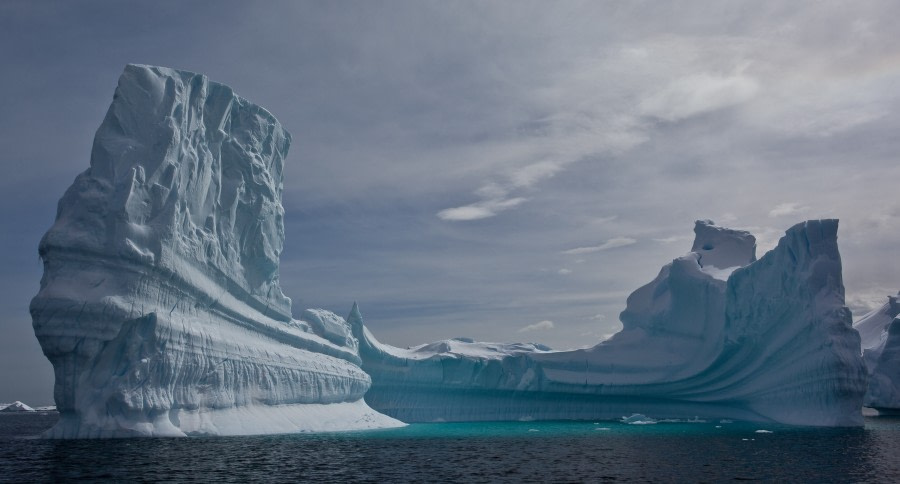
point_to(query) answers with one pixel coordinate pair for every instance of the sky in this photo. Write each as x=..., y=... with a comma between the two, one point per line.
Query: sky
x=505, y=171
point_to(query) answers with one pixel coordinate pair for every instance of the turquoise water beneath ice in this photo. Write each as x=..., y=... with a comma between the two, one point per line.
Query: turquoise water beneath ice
x=470, y=452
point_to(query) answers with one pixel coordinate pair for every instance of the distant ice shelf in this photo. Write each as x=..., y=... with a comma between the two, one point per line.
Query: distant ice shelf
x=717, y=334
x=160, y=306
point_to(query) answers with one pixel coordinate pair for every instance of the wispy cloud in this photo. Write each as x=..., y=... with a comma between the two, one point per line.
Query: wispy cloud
x=787, y=209
x=603, y=220
x=480, y=210
x=531, y=174
x=496, y=196
x=609, y=244
x=698, y=94
x=564, y=271
x=539, y=326
x=672, y=238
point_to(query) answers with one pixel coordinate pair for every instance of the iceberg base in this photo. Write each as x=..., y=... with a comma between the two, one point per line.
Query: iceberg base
x=441, y=405
x=244, y=420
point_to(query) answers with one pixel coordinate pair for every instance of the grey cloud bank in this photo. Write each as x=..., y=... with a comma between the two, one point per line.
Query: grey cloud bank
x=447, y=155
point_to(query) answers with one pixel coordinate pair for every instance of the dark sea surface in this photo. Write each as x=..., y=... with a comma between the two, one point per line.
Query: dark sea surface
x=472, y=452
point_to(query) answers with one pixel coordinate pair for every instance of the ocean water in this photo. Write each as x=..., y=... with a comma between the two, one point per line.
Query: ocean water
x=709, y=451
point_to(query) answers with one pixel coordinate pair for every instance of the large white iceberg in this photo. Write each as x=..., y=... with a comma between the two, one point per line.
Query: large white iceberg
x=880, y=333
x=160, y=306
x=717, y=334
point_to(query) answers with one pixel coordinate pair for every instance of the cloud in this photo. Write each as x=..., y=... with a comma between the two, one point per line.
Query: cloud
x=564, y=271
x=480, y=210
x=673, y=238
x=868, y=299
x=531, y=174
x=727, y=217
x=698, y=94
x=495, y=196
x=787, y=209
x=468, y=212
x=609, y=244
x=539, y=326
x=603, y=220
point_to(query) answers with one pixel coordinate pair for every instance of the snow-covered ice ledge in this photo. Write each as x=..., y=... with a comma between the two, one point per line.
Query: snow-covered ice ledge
x=717, y=334
x=160, y=306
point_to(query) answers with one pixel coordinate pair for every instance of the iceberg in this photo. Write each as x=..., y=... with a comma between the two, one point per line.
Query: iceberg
x=880, y=334
x=160, y=306
x=638, y=419
x=717, y=334
x=15, y=407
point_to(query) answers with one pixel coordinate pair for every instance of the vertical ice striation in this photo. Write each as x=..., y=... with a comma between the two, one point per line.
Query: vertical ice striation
x=160, y=306
x=716, y=334
x=880, y=333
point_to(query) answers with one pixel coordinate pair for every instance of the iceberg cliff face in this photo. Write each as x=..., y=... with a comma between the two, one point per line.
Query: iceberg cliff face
x=880, y=333
x=160, y=306
x=716, y=334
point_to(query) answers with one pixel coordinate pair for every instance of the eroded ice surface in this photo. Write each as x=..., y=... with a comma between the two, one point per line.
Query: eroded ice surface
x=880, y=333
x=160, y=306
x=717, y=334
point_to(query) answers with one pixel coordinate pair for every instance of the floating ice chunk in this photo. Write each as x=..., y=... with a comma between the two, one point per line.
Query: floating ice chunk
x=638, y=419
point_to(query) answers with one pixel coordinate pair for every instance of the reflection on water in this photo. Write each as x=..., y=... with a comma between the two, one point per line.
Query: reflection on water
x=504, y=451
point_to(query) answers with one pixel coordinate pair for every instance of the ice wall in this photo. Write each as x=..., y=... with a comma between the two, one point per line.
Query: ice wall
x=880, y=332
x=716, y=334
x=160, y=306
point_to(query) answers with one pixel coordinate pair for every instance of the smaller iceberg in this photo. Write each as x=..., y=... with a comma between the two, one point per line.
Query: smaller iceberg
x=16, y=407
x=879, y=331
x=638, y=419
x=717, y=334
